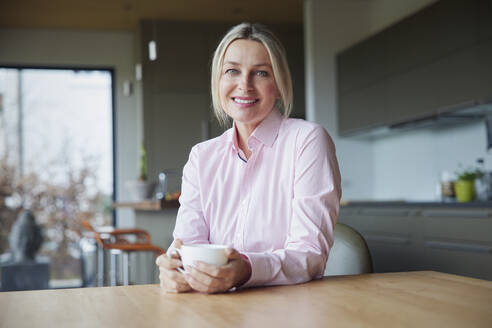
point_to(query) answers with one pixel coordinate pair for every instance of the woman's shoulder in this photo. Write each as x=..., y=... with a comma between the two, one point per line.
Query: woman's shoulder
x=304, y=134
x=302, y=128
x=213, y=144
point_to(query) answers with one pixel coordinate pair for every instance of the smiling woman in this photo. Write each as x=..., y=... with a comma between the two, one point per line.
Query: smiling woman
x=235, y=49
x=268, y=188
x=247, y=87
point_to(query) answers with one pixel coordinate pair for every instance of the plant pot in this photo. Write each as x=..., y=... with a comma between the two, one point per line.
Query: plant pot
x=139, y=190
x=465, y=190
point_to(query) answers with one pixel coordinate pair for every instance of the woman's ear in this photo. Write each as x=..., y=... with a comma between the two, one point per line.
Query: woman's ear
x=278, y=103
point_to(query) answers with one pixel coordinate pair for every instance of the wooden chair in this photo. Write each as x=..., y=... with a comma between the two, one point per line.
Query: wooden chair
x=116, y=241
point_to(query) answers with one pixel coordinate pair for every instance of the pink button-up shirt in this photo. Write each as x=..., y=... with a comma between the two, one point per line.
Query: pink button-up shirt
x=278, y=208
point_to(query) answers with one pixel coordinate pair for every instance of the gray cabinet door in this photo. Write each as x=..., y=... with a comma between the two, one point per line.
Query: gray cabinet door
x=458, y=79
x=484, y=20
x=465, y=76
x=431, y=34
x=412, y=95
x=363, y=64
x=484, y=70
x=456, y=25
x=363, y=108
x=458, y=244
x=412, y=42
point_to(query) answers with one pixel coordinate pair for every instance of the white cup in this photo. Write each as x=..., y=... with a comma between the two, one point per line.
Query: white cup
x=208, y=253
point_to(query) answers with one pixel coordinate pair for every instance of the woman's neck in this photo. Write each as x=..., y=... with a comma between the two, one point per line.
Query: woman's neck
x=242, y=133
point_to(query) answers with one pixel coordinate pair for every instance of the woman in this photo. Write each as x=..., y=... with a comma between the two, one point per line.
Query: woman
x=269, y=186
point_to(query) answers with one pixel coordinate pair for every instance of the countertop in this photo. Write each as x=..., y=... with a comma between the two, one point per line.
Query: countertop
x=420, y=204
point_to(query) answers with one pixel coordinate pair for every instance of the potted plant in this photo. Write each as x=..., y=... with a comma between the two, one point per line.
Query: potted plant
x=143, y=164
x=141, y=189
x=464, y=186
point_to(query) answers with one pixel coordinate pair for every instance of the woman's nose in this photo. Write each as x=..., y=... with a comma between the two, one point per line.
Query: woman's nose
x=245, y=83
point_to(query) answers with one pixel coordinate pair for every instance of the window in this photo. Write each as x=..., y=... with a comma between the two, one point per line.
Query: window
x=56, y=156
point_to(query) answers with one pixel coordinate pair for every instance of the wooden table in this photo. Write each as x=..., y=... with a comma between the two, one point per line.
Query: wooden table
x=410, y=299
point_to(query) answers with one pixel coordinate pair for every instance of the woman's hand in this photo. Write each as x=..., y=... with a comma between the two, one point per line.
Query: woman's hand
x=171, y=279
x=207, y=278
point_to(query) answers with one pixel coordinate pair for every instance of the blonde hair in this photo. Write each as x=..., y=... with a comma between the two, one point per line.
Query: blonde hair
x=278, y=58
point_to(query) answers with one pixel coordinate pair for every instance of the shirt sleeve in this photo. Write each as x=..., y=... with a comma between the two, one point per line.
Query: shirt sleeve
x=315, y=207
x=191, y=226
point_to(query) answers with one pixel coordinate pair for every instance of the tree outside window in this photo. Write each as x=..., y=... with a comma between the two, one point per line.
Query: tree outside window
x=56, y=156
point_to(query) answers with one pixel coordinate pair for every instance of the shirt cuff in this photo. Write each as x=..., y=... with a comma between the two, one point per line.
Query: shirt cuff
x=261, y=271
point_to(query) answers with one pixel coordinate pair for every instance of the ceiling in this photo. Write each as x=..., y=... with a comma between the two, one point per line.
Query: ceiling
x=125, y=14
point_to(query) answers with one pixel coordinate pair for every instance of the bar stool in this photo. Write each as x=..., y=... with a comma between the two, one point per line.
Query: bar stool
x=109, y=238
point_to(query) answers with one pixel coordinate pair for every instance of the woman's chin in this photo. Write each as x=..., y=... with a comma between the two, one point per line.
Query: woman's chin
x=243, y=115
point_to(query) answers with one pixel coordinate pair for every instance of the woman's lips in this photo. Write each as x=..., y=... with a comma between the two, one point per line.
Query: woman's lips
x=245, y=101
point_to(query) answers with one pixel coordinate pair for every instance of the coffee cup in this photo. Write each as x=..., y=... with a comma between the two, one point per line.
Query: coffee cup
x=208, y=253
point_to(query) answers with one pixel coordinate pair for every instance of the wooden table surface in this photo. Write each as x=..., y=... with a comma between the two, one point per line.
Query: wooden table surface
x=408, y=299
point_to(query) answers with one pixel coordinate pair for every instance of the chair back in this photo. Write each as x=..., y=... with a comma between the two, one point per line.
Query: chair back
x=349, y=254
x=87, y=225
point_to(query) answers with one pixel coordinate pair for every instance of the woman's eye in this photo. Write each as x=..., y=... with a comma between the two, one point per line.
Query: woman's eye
x=231, y=71
x=262, y=73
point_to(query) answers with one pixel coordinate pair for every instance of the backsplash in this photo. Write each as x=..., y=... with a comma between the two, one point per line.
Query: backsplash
x=409, y=166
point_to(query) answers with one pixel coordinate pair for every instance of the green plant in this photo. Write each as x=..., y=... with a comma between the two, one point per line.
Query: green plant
x=469, y=175
x=143, y=164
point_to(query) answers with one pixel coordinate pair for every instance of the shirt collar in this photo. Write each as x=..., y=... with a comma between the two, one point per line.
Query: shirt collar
x=266, y=132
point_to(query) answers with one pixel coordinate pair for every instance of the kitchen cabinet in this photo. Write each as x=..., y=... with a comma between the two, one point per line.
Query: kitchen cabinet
x=484, y=68
x=453, y=27
x=371, y=105
x=430, y=62
x=363, y=65
x=458, y=243
x=411, y=94
x=470, y=79
x=484, y=20
x=458, y=77
x=414, y=238
x=412, y=42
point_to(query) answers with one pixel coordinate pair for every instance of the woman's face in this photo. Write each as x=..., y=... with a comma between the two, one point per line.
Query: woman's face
x=247, y=86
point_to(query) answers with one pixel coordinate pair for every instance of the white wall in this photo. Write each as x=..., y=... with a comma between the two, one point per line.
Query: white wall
x=405, y=166
x=408, y=166
x=90, y=49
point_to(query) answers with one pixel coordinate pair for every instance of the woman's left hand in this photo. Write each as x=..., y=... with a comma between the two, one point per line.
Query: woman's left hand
x=207, y=278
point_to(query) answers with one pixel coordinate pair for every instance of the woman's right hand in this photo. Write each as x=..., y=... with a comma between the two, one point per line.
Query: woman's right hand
x=171, y=279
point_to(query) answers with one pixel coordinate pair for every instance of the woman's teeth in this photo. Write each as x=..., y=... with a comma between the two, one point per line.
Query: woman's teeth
x=244, y=101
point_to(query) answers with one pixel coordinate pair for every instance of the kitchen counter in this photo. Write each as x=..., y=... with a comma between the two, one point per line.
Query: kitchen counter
x=430, y=204
x=409, y=236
